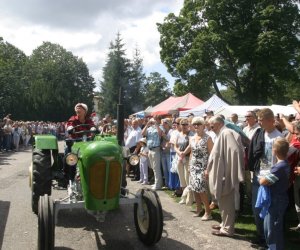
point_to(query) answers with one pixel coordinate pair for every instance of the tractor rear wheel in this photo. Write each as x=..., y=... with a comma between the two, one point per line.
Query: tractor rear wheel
x=41, y=176
x=148, y=217
x=46, y=223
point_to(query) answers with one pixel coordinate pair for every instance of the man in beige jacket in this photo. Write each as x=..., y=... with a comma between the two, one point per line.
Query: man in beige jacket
x=226, y=171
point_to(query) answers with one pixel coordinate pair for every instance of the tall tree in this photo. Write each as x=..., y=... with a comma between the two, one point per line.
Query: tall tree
x=250, y=47
x=13, y=88
x=136, y=82
x=156, y=89
x=58, y=80
x=115, y=76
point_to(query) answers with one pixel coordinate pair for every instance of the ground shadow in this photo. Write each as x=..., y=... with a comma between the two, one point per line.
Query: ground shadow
x=117, y=231
x=5, y=157
x=4, y=210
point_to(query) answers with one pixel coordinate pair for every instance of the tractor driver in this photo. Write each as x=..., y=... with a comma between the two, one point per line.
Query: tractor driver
x=81, y=117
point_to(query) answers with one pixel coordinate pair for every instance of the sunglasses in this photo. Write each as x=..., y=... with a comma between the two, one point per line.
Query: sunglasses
x=248, y=116
x=185, y=124
x=197, y=124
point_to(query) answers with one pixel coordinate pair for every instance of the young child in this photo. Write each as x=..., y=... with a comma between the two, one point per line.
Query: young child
x=276, y=182
x=143, y=162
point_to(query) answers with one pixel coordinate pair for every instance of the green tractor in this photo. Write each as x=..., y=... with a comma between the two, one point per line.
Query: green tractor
x=91, y=170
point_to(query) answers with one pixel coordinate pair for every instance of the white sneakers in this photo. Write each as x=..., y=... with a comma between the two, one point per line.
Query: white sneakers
x=206, y=217
x=182, y=201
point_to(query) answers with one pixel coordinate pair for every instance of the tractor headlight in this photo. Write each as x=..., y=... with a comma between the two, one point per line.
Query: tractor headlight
x=134, y=160
x=71, y=159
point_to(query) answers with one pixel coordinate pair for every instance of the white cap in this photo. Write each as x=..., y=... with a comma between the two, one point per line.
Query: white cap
x=144, y=140
x=82, y=105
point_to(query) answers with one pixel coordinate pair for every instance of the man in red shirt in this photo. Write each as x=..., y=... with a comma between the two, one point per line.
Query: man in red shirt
x=80, y=118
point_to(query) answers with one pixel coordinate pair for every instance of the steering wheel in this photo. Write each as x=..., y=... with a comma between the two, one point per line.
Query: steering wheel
x=92, y=131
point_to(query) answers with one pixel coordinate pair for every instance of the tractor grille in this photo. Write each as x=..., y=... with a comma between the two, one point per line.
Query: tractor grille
x=97, y=177
x=114, y=179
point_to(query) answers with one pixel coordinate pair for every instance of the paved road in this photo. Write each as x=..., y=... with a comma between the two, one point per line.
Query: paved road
x=78, y=230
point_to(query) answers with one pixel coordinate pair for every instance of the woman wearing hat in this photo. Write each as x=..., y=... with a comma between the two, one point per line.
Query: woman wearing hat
x=80, y=118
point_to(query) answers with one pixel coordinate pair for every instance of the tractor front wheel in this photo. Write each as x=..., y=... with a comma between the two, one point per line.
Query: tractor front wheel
x=41, y=176
x=46, y=223
x=148, y=217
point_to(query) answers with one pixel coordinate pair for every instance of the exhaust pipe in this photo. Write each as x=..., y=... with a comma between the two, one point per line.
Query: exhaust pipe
x=120, y=119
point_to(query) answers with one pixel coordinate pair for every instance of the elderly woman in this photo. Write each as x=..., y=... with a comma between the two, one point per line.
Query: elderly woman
x=200, y=145
x=182, y=152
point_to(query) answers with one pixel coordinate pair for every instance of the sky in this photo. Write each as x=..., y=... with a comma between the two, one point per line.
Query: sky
x=86, y=28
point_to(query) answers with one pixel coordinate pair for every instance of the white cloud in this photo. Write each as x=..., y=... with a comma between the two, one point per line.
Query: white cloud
x=87, y=27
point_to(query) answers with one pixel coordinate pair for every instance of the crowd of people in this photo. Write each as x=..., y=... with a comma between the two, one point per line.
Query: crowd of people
x=16, y=135
x=219, y=162
x=209, y=160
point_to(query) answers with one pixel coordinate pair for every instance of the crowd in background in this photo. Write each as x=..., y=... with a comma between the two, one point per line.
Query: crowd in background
x=16, y=135
x=219, y=162
x=211, y=160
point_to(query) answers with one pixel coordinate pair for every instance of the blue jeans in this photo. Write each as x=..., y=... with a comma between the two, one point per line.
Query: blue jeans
x=273, y=223
x=8, y=141
x=166, y=166
x=259, y=222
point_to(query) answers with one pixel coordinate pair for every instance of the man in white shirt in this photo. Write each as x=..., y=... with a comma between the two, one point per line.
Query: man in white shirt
x=249, y=130
x=131, y=142
x=252, y=124
x=134, y=136
x=260, y=159
x=235, y=120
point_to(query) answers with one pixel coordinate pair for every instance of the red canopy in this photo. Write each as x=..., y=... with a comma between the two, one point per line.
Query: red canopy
x=176, y=104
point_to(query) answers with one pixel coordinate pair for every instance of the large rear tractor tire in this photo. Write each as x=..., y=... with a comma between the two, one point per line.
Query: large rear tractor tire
x=46, y=223
x=41, y=176
x=149, y=220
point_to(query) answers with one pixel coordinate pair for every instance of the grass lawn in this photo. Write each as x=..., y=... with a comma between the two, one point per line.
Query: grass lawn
x=245, y=227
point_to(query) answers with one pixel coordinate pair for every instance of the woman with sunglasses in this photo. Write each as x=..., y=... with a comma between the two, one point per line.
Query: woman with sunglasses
x=200, y=145
x=182, y=154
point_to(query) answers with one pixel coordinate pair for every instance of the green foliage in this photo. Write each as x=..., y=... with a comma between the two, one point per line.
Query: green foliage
x=249, y=46
x=13, y=87
x=57, y=81
x=115, y=76
x=136, y=83
x=229, y=95
x=139, y=91
x=44, y=86
x=155, y=90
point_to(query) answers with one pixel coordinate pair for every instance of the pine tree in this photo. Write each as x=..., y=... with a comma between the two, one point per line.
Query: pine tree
x=115, y=75
x=137, y=82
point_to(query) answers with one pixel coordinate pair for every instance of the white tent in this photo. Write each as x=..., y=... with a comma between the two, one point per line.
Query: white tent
x=211, y=104
x=241, y=110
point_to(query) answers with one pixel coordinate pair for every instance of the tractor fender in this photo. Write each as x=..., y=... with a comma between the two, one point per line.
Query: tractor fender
x=45, y=142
